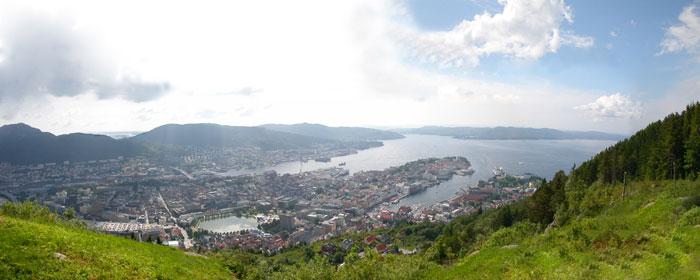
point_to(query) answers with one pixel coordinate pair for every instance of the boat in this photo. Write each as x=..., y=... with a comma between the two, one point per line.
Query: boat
x=341, y=164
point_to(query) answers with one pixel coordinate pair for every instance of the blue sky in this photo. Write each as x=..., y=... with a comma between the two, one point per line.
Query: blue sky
x=627, y=35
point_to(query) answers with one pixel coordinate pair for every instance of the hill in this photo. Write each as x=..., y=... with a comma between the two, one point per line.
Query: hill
x=37, y=244
x=653, y=233
x=335, y=133
x=507, y=133
x=219, y=136
x=595, y=222
x=665, y=149
x=22, y=144
x=617, y=216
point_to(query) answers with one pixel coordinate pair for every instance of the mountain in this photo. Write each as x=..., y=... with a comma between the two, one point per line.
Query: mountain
x=23, y=144
x=506, y=133
x=335, y=133
x=217, y=136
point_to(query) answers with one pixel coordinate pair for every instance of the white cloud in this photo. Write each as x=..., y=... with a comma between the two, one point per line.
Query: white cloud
x=614, y=106
x=335, y=62
x=684, y=36
x=50, y=55
x=525, y=29
x=613, y=34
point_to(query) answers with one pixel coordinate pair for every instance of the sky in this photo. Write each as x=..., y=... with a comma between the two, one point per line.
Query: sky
x=92, y=66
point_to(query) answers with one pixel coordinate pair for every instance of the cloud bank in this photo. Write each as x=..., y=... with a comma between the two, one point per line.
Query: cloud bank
x=46, y=56
x=345, y=65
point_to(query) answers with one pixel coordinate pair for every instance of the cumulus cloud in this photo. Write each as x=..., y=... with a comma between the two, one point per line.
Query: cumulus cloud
x=526, y=29
x=47, y=56
x=684, y=36
x=614, y=106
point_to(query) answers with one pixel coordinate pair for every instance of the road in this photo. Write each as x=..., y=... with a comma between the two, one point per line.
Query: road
x=183, y=173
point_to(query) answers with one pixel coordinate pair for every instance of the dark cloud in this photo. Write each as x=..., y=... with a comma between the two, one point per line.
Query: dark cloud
x=41, y=55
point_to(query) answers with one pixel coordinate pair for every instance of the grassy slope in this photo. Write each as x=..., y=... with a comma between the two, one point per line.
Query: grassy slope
x=27, y=252
x=654, y=233
x=649, y=235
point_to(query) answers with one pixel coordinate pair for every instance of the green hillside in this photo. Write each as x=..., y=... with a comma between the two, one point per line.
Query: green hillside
x=654, y=233
x=617, y=216
x=30, y=237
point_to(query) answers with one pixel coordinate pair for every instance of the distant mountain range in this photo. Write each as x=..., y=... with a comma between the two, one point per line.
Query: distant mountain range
x=23, y=144
x=208, y=135
x=335, y=133
x=506, y=133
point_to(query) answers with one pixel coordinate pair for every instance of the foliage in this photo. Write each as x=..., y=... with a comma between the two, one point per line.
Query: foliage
x=665, y=149
x=511, y=235
x=32, y=211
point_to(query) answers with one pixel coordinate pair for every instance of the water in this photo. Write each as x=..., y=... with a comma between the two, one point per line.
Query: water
x=539, y=157
x=229, y=224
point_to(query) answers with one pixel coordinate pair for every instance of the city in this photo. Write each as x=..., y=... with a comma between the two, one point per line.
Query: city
x=147, y=201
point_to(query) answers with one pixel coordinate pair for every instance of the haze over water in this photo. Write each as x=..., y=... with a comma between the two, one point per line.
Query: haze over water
x=539, y=157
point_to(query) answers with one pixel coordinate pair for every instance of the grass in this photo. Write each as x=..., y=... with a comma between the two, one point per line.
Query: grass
x=649, y=235
x=27, y=251
x=653, y=233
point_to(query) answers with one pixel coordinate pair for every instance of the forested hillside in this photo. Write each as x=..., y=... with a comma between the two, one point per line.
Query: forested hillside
x=335, y=133
x=666, y=149
x=22, y=144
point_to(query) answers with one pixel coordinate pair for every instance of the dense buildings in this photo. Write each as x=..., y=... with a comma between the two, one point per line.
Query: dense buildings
x=152, y=201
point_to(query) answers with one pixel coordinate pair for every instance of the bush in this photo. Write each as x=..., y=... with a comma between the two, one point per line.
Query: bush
x=512, y=235
x=29, y=211
x=35, y=212
x=690, y=202
x=690, y=217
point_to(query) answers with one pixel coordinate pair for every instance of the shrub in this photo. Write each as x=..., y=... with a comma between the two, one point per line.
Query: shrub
x=512, y=235
x=690, y=217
